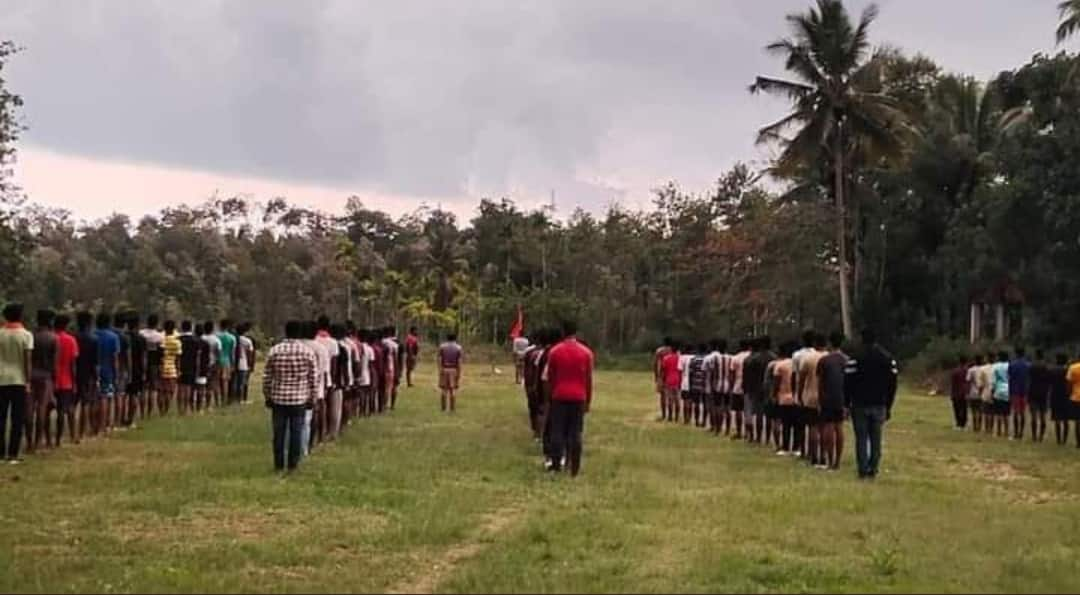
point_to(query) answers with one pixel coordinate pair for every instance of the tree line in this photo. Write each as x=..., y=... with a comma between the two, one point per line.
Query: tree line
x=898, y=192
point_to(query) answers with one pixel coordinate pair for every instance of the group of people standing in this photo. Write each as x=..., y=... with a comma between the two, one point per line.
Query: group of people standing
x=111, y=371
x=794, y=399
x=323, y=375
x=991, y=389
x=556, y=369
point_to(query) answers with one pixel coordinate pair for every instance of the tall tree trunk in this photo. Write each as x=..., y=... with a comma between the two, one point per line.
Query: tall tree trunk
x=841, y=236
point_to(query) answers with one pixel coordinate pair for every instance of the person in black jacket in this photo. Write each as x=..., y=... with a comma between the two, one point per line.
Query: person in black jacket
x=870, y=389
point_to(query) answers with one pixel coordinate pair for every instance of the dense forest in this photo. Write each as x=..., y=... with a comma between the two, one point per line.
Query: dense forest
x=899, y=192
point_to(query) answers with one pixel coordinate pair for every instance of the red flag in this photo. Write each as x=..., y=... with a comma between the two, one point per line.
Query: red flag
x=519, y=324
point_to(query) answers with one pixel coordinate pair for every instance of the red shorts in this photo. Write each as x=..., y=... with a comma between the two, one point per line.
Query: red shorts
x=1018, y=403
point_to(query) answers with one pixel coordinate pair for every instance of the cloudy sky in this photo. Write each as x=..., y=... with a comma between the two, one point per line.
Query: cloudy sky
x=137, y=104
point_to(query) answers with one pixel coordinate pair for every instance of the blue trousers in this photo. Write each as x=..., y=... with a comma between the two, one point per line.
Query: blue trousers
x=287, y=420
x=867, y=422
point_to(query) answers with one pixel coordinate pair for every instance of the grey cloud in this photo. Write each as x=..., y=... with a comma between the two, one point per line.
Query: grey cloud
x=444, y=99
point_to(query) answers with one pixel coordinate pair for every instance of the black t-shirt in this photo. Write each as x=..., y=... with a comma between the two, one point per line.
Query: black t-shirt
x=137, y=345
x=831, y=375
x=754, y=374
x=1039, y=375
x=189, y=354
x=86, y=364
x=1059, y=385
x=43, y=357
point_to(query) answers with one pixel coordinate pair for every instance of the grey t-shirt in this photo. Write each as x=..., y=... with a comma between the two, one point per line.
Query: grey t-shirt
x=43, y=357
x=450, y=355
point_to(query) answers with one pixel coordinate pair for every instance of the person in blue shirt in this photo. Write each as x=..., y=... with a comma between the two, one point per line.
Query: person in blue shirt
x=1000, y=392
x=108, y=344
x=1019, y=385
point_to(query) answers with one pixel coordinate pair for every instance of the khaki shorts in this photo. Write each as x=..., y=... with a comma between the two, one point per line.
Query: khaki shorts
x=449, y=378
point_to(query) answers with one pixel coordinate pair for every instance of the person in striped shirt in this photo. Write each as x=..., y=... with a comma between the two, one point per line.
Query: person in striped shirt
x=290, y=382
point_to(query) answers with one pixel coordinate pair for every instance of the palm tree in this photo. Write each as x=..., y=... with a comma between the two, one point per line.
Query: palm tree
x=1069, y=11
x=840, y=115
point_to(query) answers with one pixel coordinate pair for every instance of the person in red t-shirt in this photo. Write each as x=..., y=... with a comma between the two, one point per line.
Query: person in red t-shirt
x=671, y=379
x=569, y=371
x=67, y=352
x=412, y=354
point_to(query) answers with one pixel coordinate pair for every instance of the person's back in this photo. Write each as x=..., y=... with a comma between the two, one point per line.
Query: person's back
x=87, y=363
x=737, y=367
x=809, y=383
x=699, y=377
x=190, y=349
x=521, y=345
x=831, y=371
x=228, y=348
x=108, y=357
x=783, y=372
x=569, y=369
x=291, y=373
x=986, y=382
x=958, y=387
x=1019, y=377
x=871, y=378
x=450, y=354
x=754, y=375
x=43, y=359
x=1040, y=381
x=1072, y=376
x=1001, y=381
x=15, y=343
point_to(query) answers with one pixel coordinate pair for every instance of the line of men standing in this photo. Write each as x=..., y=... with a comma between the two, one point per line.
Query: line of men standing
x=322, y=376
x=111, y=372
x=557, y=372
x=795, y=400
x=992, y=389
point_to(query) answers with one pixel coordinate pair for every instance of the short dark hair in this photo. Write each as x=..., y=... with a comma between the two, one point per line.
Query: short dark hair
x=569, y=328
x=836, y=339
x=808, y=337
x=208, y=327
x=820, y=340
x=1062, y=359
x=184, y=326
x=226, y=324
x=152, y=321
x=104, y=320
x=132, y=321
x=1003, y=356
x=765, y=343
x=451, y=336
x=293, y=329
x=84, y=319
x=337, y=331
x=1021, y=352
x=323, y=322
x=13, y=312
x=45, y=318
x=869, y=337
x=412, y=329
x=170, y=326
x=309, y=329
x=787, y=348
x=979, y=360
x=61, y=322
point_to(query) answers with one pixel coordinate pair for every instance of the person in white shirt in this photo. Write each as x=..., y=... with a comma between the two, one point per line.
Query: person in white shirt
x=520, y=345
x=365, y=380
x=685, y=357
x=717, y=364
x=245, y=361
x=213, y=386
x=154, y=338
x=313, y=426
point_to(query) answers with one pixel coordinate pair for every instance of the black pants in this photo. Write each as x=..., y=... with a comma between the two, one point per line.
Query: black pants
x=287, y=419
x=789, y=418
x=13, y=398
x=960, y=413
x=567, y=425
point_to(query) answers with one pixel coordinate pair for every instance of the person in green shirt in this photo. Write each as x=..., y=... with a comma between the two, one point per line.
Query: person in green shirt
x=226, y=360
x=16, y=347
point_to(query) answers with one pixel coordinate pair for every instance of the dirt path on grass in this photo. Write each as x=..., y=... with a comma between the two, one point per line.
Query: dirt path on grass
x=430, y=574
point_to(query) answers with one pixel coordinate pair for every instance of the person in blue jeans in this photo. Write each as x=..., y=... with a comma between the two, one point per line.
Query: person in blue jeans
x=289, y=385
x=870, y=381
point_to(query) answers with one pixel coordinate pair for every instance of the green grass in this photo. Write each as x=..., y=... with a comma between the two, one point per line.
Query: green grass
x=417, y=500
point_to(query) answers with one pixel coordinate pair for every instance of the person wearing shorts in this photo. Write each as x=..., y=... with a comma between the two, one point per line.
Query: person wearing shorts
x=1019, y=389
x=87, y=376
x=245, y=361
x=1072, y=377
x=451, y=358
x=412, y=354
x=972, y=380
x=754, y=390
x=519, y=345
x=986, y=393
x=226, y=361
x=153, y=338
x=174, y=349
x=830, y=372
x=699, y=386
x=661, y=352
x=121, y=403
x=211, y=365
x=1001, y=393
x=1039, y=395
x=809, y=395
x=42, y=373
x=737, y=401
x=108, y=370
x=716, y=364
x=783, y=390
x=1060, y=406
x=67, y=355
x=137, y=358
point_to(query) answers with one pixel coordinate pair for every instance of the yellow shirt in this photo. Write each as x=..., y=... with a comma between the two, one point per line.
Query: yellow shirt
x=1073, y=376
x=171, y=350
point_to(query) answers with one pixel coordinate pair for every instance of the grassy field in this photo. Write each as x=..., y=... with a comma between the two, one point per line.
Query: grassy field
x=419, y=501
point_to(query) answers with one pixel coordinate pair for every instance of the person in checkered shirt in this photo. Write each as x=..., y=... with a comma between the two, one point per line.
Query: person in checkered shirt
x=289, y=385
